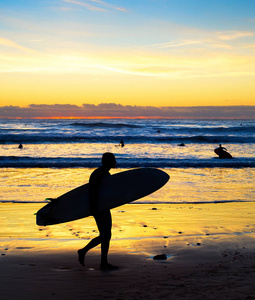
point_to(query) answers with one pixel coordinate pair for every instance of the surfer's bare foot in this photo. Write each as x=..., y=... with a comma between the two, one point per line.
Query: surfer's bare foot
x=108, y=267
x=81, y=257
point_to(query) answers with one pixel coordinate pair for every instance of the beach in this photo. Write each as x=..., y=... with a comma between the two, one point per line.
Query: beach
x=143, y=108
x=202, y=220
x=209, y=249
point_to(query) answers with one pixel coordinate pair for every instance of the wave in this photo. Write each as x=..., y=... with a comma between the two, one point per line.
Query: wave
x=131, y=131
x=81, y=138
x=105, y=125
x=208, y=139
x=123, y=162
x=211, y=130
x=235, y=130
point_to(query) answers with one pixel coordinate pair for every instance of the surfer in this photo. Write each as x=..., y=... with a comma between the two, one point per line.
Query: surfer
x=20, y=146
x=222, y=148
x=222, y=152
x=103, y=218
x=121, y=144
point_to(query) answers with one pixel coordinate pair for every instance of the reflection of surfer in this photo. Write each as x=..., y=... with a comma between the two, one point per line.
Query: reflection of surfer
x=121, y=144
x=103, y=218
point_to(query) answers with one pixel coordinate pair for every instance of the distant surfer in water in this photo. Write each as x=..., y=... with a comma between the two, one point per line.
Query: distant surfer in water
x=222, y=152
x=121, y=144
x=103, y=218
x=222, y=148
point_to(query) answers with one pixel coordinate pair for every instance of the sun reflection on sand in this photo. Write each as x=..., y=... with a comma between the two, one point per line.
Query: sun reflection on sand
x=139, y=227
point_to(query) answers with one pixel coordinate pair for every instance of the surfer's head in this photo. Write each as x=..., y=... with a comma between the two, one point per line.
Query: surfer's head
x=108, y=160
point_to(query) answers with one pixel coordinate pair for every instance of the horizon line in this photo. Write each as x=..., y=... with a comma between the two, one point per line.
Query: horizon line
x=127, y=118
x=119, y=111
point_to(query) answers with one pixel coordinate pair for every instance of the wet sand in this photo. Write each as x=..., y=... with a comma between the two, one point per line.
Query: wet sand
x=210, y=253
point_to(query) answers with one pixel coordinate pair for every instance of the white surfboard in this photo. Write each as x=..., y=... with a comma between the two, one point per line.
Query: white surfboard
x=115, y=190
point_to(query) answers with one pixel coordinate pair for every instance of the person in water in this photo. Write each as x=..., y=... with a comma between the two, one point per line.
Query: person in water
x=20, y=146
x=103, y=218
x=121, y=143
x=222, y=152
x=222, y=148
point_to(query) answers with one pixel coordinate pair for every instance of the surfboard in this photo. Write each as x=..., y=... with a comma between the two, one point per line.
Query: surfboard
x=115, y=190
x=222, y=153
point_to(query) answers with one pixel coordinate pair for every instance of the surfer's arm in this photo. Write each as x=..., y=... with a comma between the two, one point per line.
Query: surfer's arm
x=94, y=183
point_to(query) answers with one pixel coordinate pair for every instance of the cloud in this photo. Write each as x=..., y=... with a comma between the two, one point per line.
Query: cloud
x=9, y=43
x=127, y=111
x=179, y=43
x=232, y=35
x=108, y=5
x=86, y=5
x=100, y=7
x=192, y=37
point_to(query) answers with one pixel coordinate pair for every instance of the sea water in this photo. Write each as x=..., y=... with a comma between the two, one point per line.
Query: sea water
x=59, y=155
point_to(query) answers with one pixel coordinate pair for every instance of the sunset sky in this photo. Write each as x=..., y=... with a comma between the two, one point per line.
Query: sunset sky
x=144, y=52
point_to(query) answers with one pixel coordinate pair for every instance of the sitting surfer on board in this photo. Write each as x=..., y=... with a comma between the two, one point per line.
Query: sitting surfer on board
x=103, y=218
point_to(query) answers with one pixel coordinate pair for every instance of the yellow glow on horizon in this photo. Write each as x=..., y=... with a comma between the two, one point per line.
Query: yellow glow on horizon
x=97, y=117
x=139, y=77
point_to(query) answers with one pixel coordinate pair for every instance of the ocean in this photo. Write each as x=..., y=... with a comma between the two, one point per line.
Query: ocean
x=60, y=154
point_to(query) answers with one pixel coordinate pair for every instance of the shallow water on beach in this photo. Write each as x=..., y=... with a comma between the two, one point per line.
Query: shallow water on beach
x=139, y=228
x=188, y=185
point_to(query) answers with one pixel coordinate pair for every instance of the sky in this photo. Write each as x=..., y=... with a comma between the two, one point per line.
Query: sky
x=156, y=53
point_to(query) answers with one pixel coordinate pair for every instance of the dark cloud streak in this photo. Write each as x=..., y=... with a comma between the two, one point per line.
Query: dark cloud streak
x=127, y=111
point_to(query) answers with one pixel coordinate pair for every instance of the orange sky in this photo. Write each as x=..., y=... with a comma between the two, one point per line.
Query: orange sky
x=157, y=54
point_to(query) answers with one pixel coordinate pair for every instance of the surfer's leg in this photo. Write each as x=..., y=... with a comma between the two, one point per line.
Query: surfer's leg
x=105, y=227
x=92, y=244
x=104, y=223
x=82, y=252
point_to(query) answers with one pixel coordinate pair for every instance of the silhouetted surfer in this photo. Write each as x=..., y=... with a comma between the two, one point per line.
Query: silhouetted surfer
x=222, y=152
x=121, y=143
x=222, y=148
x=103, y=218
x=20, y=146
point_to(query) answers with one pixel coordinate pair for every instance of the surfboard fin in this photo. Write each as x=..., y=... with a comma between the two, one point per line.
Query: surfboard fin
x=51, y=199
